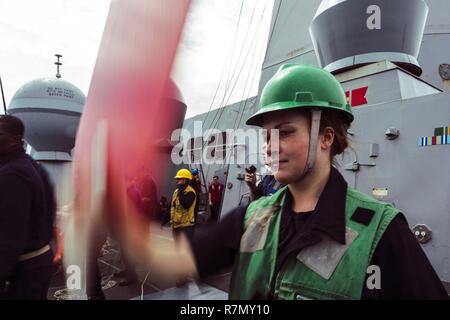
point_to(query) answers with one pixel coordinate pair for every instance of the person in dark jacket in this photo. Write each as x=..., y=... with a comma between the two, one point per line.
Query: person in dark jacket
x=197, y=186
x=266, y=187
x=142, y=192
x=27, y=212
x=149, y=198
x=163, y=212
x=268, y=184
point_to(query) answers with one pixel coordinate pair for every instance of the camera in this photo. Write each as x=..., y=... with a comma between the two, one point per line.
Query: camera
x=251, y=169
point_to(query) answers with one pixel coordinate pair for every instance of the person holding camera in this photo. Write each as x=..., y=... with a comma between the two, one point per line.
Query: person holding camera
x=266, y=187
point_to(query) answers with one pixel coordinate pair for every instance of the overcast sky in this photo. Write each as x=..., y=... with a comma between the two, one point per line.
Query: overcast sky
x=31, y=32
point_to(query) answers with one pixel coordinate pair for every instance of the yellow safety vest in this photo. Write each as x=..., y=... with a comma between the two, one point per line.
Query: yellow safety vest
x=179, y=216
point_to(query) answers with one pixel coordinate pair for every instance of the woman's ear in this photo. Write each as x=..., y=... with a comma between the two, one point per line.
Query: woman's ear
x=327, y=138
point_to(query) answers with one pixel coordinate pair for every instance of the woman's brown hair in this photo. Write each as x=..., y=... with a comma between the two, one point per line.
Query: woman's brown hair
x=337, y=121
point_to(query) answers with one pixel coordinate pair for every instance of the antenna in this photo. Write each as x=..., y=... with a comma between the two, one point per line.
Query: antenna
x=58, y=64
x=3, y=96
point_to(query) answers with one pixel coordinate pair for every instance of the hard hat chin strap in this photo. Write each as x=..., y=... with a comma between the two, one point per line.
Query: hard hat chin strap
x=313, y=140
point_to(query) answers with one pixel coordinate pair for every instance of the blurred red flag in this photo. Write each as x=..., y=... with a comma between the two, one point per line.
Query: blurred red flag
x=128, y=85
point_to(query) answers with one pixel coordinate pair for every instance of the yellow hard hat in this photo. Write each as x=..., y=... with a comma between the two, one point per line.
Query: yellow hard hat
x=183, y=174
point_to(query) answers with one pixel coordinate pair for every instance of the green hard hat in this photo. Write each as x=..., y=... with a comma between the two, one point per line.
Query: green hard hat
x=300, y=86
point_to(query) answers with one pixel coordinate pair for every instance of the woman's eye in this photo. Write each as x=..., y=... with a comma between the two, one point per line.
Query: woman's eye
x=285, y=133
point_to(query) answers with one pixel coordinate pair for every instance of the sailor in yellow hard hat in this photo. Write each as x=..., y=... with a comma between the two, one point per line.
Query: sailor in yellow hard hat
x=182, y=206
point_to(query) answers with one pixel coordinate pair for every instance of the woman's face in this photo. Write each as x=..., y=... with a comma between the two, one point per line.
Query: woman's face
x=289, y=161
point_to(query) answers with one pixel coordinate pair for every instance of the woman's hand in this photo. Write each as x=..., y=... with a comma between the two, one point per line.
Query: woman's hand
x=171, y=261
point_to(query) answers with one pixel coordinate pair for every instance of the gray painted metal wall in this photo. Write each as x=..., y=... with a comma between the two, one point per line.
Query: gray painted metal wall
x=416, y=177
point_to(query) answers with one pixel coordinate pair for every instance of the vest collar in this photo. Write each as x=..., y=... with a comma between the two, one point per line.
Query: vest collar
x=329, y=215
x=331, y=207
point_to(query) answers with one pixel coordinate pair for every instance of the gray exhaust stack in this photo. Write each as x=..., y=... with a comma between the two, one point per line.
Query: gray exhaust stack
x=350, y=33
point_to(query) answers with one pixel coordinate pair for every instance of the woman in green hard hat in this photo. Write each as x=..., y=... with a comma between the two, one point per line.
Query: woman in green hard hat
x=316, y=238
